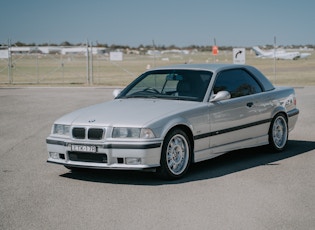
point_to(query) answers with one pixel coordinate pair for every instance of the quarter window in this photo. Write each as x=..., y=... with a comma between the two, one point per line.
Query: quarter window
x=237, y=82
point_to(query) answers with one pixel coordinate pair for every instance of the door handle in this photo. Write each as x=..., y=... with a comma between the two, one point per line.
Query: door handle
x=249, y=104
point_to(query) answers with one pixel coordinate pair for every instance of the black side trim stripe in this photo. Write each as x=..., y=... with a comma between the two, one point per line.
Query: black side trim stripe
x=110, y=146
x=218, y=132
x=293, y=112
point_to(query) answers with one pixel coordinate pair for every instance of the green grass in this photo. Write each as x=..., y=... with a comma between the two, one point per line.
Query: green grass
x=72, y=69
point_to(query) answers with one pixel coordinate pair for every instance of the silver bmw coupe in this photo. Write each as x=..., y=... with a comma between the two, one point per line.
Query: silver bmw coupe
x=171, y=117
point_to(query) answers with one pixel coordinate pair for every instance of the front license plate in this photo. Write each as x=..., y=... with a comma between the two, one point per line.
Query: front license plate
x=83, y=148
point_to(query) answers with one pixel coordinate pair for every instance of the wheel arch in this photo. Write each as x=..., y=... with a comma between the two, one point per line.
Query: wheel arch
x=187, y=130
x=280, y=110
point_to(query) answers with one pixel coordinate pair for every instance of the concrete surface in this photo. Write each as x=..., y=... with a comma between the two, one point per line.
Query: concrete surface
x=248, y=189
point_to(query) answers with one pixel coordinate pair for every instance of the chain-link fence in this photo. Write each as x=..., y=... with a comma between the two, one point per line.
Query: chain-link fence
x=29, y=66
x=85, y=66
x=37, y=68
x=80, y=65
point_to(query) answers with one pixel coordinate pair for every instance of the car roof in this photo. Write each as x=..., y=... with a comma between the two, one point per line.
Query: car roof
x=207, y=67
x=215, y=68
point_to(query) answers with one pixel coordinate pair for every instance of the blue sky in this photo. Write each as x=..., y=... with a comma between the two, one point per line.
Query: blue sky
x=167, y=22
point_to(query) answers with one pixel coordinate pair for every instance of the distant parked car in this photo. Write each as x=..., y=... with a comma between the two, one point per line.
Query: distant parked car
x=171, y=117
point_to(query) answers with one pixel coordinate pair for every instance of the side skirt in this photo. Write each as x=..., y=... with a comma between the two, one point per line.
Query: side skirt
x=219, y=150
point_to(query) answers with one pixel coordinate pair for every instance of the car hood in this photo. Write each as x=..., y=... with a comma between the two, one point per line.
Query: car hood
x=127, y=112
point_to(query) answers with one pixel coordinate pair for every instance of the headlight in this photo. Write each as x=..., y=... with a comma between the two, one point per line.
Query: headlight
x=61, y=129
x=122, y=132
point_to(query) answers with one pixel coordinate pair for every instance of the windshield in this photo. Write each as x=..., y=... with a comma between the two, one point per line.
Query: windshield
x=169, y=84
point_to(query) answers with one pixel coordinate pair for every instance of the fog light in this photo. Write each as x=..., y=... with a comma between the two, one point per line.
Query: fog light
x=54, y=155
x=133, y=161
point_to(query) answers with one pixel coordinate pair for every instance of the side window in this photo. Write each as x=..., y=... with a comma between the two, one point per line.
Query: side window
x=237, y=82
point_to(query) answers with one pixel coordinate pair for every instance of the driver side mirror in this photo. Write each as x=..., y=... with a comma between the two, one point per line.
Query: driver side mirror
x=220, y=96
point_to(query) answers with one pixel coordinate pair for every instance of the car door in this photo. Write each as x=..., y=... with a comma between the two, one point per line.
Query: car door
x=235, y=120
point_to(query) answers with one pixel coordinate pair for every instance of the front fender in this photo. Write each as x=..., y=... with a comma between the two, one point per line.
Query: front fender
x=171, y=123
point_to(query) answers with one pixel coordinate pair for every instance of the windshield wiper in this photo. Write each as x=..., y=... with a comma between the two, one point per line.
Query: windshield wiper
x=161, y=96
x=140, y=96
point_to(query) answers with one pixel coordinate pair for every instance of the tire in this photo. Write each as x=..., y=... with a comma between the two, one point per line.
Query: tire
x=175, y=156
x=278, y=133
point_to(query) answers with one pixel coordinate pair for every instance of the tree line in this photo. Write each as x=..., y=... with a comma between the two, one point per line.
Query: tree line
x=145, y=47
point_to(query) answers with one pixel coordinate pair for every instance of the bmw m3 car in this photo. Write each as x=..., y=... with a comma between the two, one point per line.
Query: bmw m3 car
x=171, y=117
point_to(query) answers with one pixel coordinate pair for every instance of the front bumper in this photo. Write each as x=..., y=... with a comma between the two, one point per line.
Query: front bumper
x=115, y=155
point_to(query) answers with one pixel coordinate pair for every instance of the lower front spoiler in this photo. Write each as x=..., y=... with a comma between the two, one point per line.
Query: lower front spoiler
x=115, y=166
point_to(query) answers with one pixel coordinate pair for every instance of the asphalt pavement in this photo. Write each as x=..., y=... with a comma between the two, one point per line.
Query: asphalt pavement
x=245, y=189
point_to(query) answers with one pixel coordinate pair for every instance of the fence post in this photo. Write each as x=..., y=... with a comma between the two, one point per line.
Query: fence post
x=91, y=65
x=62, y=68
x=87, y=63
x=9, y=62
x=37, y=67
